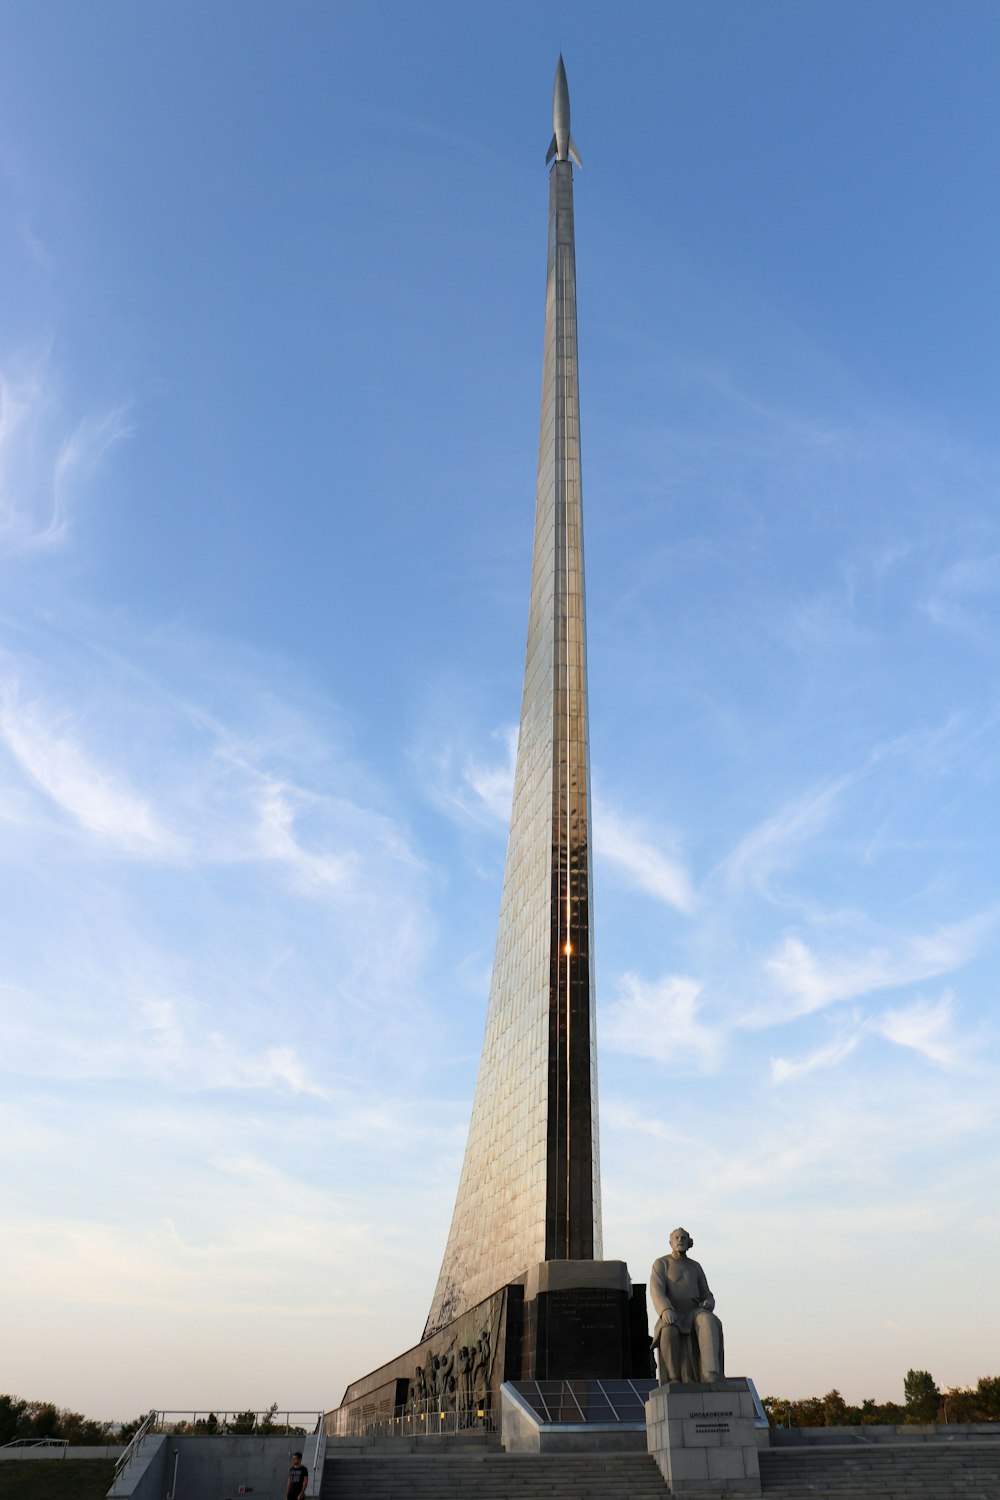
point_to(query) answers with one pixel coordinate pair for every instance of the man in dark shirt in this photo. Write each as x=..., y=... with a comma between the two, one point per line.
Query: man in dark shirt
x=298, y=1478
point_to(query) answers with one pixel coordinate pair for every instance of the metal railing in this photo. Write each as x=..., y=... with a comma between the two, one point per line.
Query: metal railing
x=146, y=1425
x=217, y=1421
x=430, y=1418
x=49, y=1442
x=224, y=1422
x=220, y=1422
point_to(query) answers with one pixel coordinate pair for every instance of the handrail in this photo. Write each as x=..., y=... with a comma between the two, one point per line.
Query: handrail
x=140, y=1432
x=228, y=1422
x=48, y=1442
x=265, y=1424
x=432, y=1417
x=317, y=1471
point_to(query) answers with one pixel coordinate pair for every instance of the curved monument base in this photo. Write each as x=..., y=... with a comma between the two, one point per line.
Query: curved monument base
x=560, y=1320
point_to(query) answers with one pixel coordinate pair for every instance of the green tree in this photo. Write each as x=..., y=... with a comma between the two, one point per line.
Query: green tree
x=836, y=1412
x=128, y=1430
x=12, y=1418
x=44, y=1419
x=922, y=1396
x=988, y=1398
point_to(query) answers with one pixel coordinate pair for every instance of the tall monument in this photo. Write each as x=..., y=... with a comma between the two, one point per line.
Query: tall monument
x=523, y=1292
x=530, y=1184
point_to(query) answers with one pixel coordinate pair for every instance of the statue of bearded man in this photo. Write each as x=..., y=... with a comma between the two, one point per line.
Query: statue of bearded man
x=688, y=1335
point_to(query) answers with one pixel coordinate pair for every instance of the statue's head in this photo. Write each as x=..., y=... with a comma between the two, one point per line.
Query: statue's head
x=680, y=1241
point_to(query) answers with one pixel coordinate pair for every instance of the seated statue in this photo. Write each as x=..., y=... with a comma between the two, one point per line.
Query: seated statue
x=688, y=1335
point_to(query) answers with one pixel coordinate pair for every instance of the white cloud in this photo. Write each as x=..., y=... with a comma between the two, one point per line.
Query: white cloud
x=38, y=467
x=627, y=847
x=483, y=792
x=660, y=1020
x=775, y=843
x=170, y=1041
x=815, y=982
x=493, y=784
x=472, y=786
x=99, y=800
x=925, y=1026
x=783, y=1068
x=963, y=585
x=277, y=840
x=80, y=454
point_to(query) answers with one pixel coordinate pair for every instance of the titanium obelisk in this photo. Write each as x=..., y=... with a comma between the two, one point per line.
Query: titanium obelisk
x=530, y=1184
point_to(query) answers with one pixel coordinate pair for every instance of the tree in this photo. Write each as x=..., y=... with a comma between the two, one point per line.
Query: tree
x=836, y=1412
x=922, y=1396
x=12, y=1416
x=128, y=1430
x=44, y=1419
x=988, y=1398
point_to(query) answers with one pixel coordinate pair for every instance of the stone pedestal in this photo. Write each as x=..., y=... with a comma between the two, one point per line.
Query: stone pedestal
x=583, y=1319
x=703, y=1438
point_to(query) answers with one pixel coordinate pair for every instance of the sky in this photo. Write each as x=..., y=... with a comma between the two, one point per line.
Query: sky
x=270, y=351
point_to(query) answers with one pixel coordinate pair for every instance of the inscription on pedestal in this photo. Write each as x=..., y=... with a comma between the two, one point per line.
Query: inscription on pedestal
x=703, y=1439
x=581, y=1333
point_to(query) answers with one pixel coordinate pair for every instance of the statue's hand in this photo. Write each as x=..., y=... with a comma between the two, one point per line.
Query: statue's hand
x=669, y=1316
x=709, y=1304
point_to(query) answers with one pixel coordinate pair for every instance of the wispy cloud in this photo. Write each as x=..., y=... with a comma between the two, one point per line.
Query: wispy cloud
x=662, y=1020
x=99, y=800
x=493, y=782
x=80, y=454
x=39, y=465
x=162, y=1041
x=813, y=982
x=828, y=1056
x=926, y=1026
x=278, y=841
x=479, y=789
x=629, y=849
x=473, y=786
x=775, y=843
x=960, y=589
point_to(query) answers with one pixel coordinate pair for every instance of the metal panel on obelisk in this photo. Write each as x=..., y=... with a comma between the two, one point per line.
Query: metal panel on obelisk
x=530, y=1184
x=523, y=1292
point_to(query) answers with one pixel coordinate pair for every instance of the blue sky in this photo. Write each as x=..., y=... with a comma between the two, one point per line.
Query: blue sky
x=270, y=346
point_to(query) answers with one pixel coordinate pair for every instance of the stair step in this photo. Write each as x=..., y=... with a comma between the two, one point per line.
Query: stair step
x=492, y=1476
x=918, y=1471
x=924, y=1471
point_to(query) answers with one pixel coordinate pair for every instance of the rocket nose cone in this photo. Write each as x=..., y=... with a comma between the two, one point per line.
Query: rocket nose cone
x=560, y=97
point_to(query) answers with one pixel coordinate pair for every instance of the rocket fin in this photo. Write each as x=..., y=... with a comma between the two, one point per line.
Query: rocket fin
x=551, y=151
x=573, y=152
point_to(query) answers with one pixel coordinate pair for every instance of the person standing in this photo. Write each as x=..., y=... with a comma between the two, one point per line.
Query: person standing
x=298, y=1478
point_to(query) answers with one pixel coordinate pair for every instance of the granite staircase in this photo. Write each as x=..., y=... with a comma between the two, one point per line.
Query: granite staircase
x=376, y=1474
x=912, y=1471
x=464, y=1469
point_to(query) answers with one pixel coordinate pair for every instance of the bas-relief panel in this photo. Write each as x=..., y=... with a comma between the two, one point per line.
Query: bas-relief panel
x=461, y=1364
